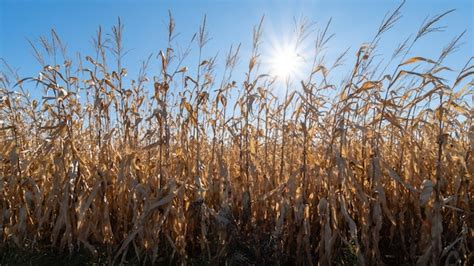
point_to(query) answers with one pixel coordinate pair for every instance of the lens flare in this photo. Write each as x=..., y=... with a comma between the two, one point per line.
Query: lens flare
x=285, y=62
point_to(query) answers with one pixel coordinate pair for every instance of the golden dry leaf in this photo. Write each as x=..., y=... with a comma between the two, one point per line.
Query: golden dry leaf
x=182, y=70
x=416, y=59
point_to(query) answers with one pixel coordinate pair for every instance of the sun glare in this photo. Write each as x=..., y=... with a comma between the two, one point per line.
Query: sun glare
x=285, y=62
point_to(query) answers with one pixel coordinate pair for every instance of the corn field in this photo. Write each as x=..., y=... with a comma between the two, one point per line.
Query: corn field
x=181, y=166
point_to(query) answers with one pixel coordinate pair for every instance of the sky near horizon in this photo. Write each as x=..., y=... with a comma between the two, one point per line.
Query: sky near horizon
x=228, y=22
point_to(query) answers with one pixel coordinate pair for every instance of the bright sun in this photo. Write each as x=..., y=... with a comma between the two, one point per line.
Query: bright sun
x=285, y=62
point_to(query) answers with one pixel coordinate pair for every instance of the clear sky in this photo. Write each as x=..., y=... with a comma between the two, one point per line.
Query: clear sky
x=229, y=22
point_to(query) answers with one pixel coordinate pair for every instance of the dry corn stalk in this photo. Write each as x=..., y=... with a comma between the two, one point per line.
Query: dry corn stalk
x=195, y=170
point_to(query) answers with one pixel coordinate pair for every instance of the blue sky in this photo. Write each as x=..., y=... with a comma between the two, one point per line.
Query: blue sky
x=229, y=22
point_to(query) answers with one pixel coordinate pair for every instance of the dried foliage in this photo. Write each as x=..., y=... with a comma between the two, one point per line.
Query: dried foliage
x=165, y=169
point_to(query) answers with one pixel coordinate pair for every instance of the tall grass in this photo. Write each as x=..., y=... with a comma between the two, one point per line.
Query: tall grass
x=168, y=168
